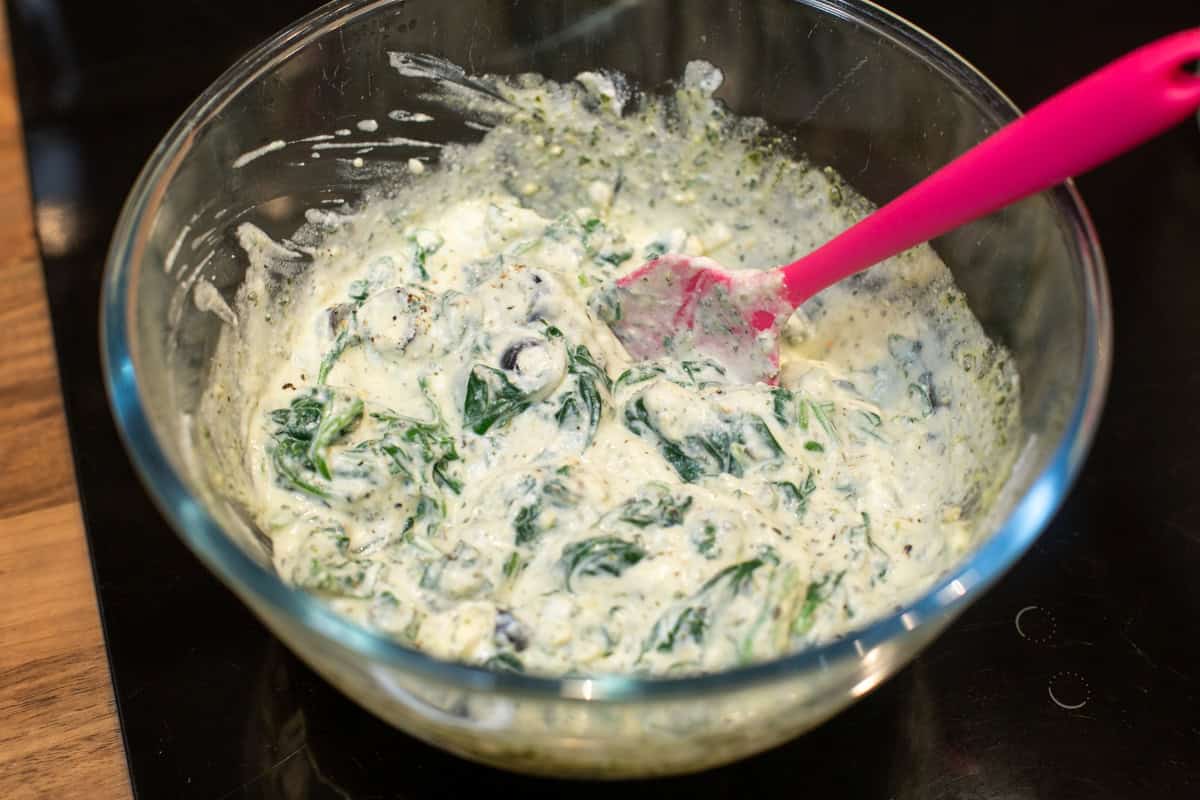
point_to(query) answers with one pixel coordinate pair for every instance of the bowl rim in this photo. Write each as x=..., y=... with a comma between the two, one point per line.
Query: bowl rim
x=945, y=598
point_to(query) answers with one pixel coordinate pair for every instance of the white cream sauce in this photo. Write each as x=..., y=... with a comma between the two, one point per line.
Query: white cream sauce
x=440, y=436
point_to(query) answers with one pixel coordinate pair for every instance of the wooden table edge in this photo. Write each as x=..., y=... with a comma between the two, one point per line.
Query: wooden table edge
x=59, y=735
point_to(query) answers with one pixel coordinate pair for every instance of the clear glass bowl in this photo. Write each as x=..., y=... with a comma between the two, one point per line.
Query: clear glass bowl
x=861, y=90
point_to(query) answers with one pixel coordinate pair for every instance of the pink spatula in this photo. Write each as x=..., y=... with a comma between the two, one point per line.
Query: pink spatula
x=683, y=306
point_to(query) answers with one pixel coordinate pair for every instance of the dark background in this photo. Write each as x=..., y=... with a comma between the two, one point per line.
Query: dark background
x=213, y=707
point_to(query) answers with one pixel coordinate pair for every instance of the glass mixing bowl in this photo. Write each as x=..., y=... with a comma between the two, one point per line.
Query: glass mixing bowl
x=862, y=91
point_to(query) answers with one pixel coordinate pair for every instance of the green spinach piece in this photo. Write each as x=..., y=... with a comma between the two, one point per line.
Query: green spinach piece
x=613, y=257
x=865, y=530
x=504, y=662
x=655, y=249
x=922, y=391
x=778, y=599
x=705, y=540
x=637, y=419
x=756, y=426
x=796, y=497
x=694, y=619
x=638, y=373
x=784, y=402
x=869, y=422
x=525, y=523
x=428, y=510
x=604, y=254
x=606, y=303
x=411, y=443
x=344, y=341
x=719, y=450
x=425, y=243
x=769, y=555
x=290, y=459
x=346, y=578
x=306, y=430
x=583, y=406
x=431, y=576
x=690, y=623
x=528, y=522
x=600, y=555
x=816, y=594
x=300, y=419
x=871, y=418
x=405, y=449
x=736, y=577
x=558, y=493
x=907, y=353
x=704, y=372
x=665, y=510
x=329, y=568
x=294, y=430
x=582, y=363
x=513, y=565
x=821, y=413
x=491, y=399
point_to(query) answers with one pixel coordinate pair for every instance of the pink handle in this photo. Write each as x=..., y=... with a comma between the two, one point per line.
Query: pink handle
x=1122, y=105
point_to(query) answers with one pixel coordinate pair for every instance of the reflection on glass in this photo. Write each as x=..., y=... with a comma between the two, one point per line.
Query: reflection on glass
x=58, y=227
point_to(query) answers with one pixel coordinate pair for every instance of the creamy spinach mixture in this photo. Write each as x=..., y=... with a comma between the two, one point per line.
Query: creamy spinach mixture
x=441, y=438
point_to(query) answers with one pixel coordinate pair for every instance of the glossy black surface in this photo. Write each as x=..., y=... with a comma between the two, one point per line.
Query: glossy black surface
x=1099, y=697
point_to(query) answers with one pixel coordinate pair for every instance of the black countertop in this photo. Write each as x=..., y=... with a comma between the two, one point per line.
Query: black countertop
x=1097, y=695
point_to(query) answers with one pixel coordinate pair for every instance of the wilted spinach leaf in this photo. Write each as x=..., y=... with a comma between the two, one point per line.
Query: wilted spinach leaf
x=796, y=497
x=584, y=404
x=816, y=594
x=491, y=399
x=600, y=555
x=739, y=439
x=690, y=623
x=664, y=510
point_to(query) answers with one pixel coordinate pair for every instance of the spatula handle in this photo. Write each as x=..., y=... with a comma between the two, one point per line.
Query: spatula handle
x=1122, y=105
